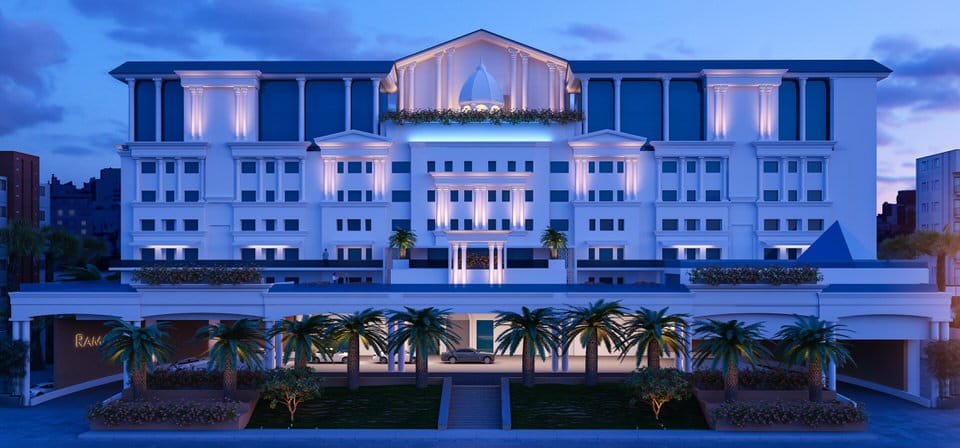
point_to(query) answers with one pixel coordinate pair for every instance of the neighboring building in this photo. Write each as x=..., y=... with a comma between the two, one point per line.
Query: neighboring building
x=899, y=218
x=651, y=168
x=20, y=184
x=89, y=211
x=45, y=204
x=938, y=199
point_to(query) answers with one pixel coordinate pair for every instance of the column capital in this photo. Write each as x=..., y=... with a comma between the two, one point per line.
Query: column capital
x=130, y=80
x=450, y=51
x=523, y=56
x=157, y=79
x=401, y=69
x=438, y=55
x=347, y=81
x=666, y=79
x=513, y=52
x=551, y=66
x=412, y=65
x=720, y=88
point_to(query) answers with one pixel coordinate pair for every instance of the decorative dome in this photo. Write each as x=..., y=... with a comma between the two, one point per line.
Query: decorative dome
x=481, y=91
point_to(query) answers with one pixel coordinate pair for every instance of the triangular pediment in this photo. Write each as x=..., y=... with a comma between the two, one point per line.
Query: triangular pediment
x=352, y=138
x=482, y=35
x=607, y=137
x=835, y=244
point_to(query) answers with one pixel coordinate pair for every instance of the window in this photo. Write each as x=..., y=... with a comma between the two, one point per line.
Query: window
x=191, y=254
x=592, y=167
x=191, y=167
x=669, y=166
x=291, y=225
x=560, y=225
x=691, y=166
x=690, y=253
x=712, y=253
x=467, y=195
x=528, y=166
x=669, y=224
x=354, y=196
x=148, y=254
x=269, y=253
x=148, y=196
x=191, y=196
x=431, y=195
x=815, y=225
x=593, y=224
x=169, y=167
x=248, y=225
x=793, y=253
x=291, y=167
x=467, y=224
x=270, y=225
x=402, y=224
x=448, y=166
x=454, y=224
x=792, y=195
x=248, y=167
x=771, y=253
x=353, y=225
x=793, y=225
x=713, y=224
x=354, y=167
x=368, y=167
x=528, y=225
x=171, y=196
x=711, y=195
x=771, y=166
x=491, y=195
x=191, y=225
x=291, y=253
x=400, y=167
x=619, y=195
x=814, y=195
x=814, y=166
x=771, y=195
x=669, y=253
x=691, y=224
x=339, y=167
x=669, y=195
x=505, y=196
x=512, y=166
x=771, y=224
x=248, y=195
x=248, y=254
x=368, y=224
x=712, y=166
x=606, y=195
x=291, y=196
x=792, y=166
x=454, y=195
x=148, y=225
x=620, y=224
x=606, y=225
x=401, y=196
x=369, y=195
x=431, y=224
x=492, y=166
x=270, y=167
x=491, y=224
x=504, y=224
x=148, y=167
x=606, y=166
x=528, y=195
x=620, y=167
x=169, y=225
x=559, y=167
x=467, y=166
x=691, y=195
x=339, y=225
x=271, y=196
x=591, y=195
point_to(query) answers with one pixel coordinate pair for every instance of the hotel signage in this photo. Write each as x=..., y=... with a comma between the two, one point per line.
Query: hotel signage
x=82, y=341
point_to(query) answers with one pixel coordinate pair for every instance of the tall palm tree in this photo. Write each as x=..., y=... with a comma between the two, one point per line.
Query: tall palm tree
x=726, y=343
x=593, y=324
x=139, y=348
x=814, y=343
x=425, y=329
x=301, y=337
x=360, y=327
x=59, y=247
x=939, y=245
x=403, y=239
x=554, y=240
x=23, y=242
x=536, y=330
x=656, y=333
x=240, y=342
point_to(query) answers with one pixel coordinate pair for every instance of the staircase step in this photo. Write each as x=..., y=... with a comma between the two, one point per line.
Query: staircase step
x=474, y=406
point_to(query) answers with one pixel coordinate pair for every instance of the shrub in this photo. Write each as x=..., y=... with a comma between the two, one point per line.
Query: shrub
x=450, y=116
x=181, y=413
x=657, y=387
x=13, y=358
x=291, y=387
x=944, y=360
x=808, y=413
x=755, y=379
x=213, y=275
x=774, y=275
x=200, y=379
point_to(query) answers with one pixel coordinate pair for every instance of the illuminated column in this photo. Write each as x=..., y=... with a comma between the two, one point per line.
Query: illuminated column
x=580, y=165
x=551, y=69
x=585, y=103
x=490, y=272
x=158, y=108
x=401, y=88
x=301, y=109
x=196, y=110
x=376, y=104
x=21, y=331
x=270, y=357
x=451, y=97
x=525, y=69
x=562, y=75
x=238, y=113
x=803, y=108
x=278, y=354
x=439, y=61
x=463, y=263
x=719, y=112
x=766, y=121
x=616, y=104
x=402, y=353
x=944, y=331
x=478, y=220
x=411, y=100
x=665, y=83
x=347, y=106
x=451, y=263
x=132, y=109
x=513, y=78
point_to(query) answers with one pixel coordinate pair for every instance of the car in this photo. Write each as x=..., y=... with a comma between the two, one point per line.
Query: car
x=37, y=390
x=382, y=358
x=467, y=355
x=338, y=357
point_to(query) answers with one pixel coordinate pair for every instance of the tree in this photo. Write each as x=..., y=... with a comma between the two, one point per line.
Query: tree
x=425, y=329
x=658, y=387
x=88, y=273
x=593, y=324
x=939, y=245
x=291, y=387
x=812, y=342
x=91, y=249
x=944, y=361
x=138, y=348
x=60, y=247
x=361, y=327
x=535, y=330
x=23, y=242
x=553, y=240
x=655, y=333
x=403, y=239
x=725, y=343
x=240, y=342
x=301, y=337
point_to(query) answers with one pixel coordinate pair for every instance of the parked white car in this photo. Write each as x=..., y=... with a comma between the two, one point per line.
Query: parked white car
x=382, y=358
x=338, y=357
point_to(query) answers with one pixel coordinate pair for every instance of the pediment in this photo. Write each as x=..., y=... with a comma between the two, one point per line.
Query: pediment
x=352, y=138
x=607, y=138
x=482, y=35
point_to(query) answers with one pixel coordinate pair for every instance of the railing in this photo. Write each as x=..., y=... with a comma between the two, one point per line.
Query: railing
x=585, y=264
x=527, y=264
x=428, y=264
x=263, y=264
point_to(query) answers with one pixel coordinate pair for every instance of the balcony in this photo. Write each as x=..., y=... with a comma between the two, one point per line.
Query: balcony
x=263, y=264
x=620, y=264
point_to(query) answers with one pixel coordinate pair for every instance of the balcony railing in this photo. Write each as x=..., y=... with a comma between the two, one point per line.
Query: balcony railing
x=263, y=264
x=624, y=264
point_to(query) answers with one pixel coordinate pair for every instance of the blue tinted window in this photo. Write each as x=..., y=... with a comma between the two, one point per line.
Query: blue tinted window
x=400, y=167
x=528, y=195
x=528, y=225
x=324, y=107
x=560, y=225
x=669, y=166
x=279, y=110
x=148, y=167
x=291, y=167
x=354, y=196
x=771, y=166
x=605, y=167
x=291, y=225
x=361, y=105
x=248, y=167
x=818, y=109
x=711, y=195
x=669, y=195
x=491, y=224
x=686, y=110
x=505, y=196
x=291, y=196
x=248, y=225
x=815, y=195
x=712, y=166
x=145, y=98
x=559, y=167
x=402, y=224
x=814, y=166
x=606, y=195
x=401, y=195
x=172, y=111
x=600, y=107
x=248, y=195
x=454, y=195
x=431, y=195
x=467, y=224
x=467, y=166
x=191, y=196
x=771, y=195
x=354, y=167
x=467, y=195
x=641, y=108
x=191, y=167
x=431, y=225
x=789, y=124
x=491, y=195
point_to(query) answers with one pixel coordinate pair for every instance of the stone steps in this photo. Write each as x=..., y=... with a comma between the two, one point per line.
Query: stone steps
x=474, y=407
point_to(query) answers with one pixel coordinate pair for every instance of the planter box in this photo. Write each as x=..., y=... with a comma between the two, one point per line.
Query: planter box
x=248, y=397
x=724, y=425
x=716, y=396
x=711, y=399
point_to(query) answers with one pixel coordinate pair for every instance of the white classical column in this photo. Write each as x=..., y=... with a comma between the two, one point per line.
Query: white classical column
x=802, y=99
x=402, y=353
x=237, y=113
x=301, y=109
x=616, y=103
x=501, y=262
x=585, y=103
x=562, y=76
x=524, y=64
x=578, y=178
x=659, y=177
x=131, y=109
x=412, y=81
x=764, y=122
x=391, y=354
x=402, y=88
x=438, y=57
x=463, y=263
x=513, y=78
x=719, y=112
x=944, y=331
x=278, y=352
x=347, y=105
x=551, y=69
x=270, y=357
x=178, y=168
x=490, y=279
x=158, y=109
x=452, y=262
x=913, y=367
x=196, y=113
x=376, y=105
x=682, y=172
x=665, y=84
x=478, y=222
x=451, y=97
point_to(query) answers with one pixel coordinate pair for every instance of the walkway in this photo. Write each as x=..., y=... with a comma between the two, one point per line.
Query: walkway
x=475, y=407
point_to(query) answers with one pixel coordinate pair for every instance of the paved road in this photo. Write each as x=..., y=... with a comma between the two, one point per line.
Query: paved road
x=894, y=423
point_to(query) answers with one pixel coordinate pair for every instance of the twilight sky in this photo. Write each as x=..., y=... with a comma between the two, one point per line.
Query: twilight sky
x=57, y=101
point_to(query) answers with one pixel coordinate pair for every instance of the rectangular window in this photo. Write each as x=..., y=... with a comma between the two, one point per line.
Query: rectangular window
x=402, y=224
x=191, y=254
x=792, y=166
x=818, y=109
x=448, y=166
x=669, y=224
x=528, y=225
x=148, y=254
x=354, y=196
x=771, y=195
x=712, y=253
x=148, y=196
x=467, y=195
x=771, y=166
x=606, y=166
x=291, y=167
x=512, y=166
x=621, y=224
x=270, y=167
x=270, y=225
x=291, y=225
x=619, y=195
x=711, y=166
x=606, y=195
x=248, y=196
x=620, y=166
x=504, y=224
x=793, y=225
x=171, y=196
x=771, y=253
x=291, y=253
x=468, y=224
x=505, y=196
x=431, y=225
x=368, y=167
x=691, y=166
x=291, y=196
x=771, y=225
x=593, y=224
x=369, y=195
x=691, y=224
x=592, y=167
x=606, y=225
x=191, y=196
x=431, y=195
x=400, y=167
x=669, y=253
x=271, y=196
x=815, y=225
x=339, y=225
x=668, y=196
x=713, y=224
x=454, y=195
x=148, y=225
x=711, y=195
x=814, y=166
x=354, y=167
x=528, y=195
x=169, y=225
x=454, y=224
x=191, y=167
x=492, y=166
x=467, y=166
x=559, y=167
x=169, y=167
x=591, y=195
x=528, y=166
x=270, y=254
x=560, y=225
x=368, y=224
x=248, y=225
x=401, y=195
x=691, y=195
x=793, y=253
x=248, y=167
x=354, y=225
x=248, y=254
x=191, y=225
x=792, y=195
x=148, y=167
x=814, y=195
x=690, y=253
x=339, y=167
x=491, y=195
x=491, y=224
x=669, y=166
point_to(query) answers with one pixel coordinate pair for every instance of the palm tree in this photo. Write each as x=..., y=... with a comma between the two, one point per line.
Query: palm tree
x=726, y=343
x=536, y=330
x=924, y=242
x=554, y=240
x=23, y=242
x=139, y=348
x=403, y=239
x=301, y=337
x=361, y=327
x=593, y=324
x=59, y=247
x=240, y=342
x=656, y=333
x=813, y=342
x=425, y=330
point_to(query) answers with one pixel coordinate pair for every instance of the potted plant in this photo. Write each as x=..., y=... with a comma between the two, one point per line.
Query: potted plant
x=553, y=240
x=403, y=239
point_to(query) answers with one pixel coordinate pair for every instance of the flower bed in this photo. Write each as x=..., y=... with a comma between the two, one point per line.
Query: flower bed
x=212, y=275
x=175, y=410
x=786, y=416
x=773, y=275
x=161, y=379
x=450, y=116
x=757, y=379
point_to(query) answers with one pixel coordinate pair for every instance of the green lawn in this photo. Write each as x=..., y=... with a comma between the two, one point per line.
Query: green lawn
x=604, y=406
x=368, y=408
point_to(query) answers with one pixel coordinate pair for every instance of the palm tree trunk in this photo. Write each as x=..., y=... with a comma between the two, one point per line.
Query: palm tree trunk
x=815, y=381
x=49, y=265
x=653, y=355
x=529, y=368
x=353, y=363
x=591, y=367
x=229, y=380
x=731, y=382
x=138, y=379
x=421, y=366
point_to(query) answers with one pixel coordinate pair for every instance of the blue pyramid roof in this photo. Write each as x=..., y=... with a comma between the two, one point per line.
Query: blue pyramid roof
x=831, y=246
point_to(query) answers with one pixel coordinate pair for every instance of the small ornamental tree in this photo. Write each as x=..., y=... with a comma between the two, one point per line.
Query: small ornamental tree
x=657, y=387
x=291, y=387
x=944, y=361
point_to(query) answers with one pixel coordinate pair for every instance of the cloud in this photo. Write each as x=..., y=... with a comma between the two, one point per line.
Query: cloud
x=28, y=48
x=74, y=151
x=670, y=49
x=593, y=33
x=925, y=79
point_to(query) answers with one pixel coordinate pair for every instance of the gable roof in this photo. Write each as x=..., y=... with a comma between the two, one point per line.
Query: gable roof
x=480, y=32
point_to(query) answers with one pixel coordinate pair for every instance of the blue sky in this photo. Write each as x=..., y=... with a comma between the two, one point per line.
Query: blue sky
x=58, y=101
